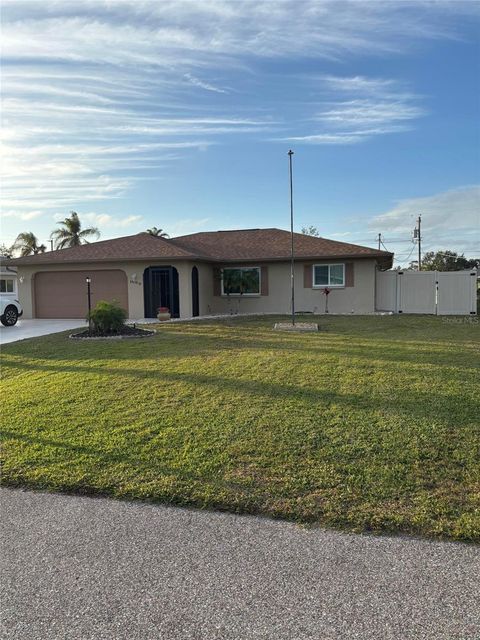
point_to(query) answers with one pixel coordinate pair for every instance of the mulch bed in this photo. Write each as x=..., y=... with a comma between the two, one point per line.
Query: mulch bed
x=126, y=332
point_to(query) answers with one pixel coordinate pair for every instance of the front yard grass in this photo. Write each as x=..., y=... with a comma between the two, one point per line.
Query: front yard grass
x=370, y=425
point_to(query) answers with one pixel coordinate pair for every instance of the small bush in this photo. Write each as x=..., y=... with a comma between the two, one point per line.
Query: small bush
x=107, y=317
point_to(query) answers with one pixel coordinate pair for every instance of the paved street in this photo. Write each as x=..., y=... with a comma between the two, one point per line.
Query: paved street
x=86, y=568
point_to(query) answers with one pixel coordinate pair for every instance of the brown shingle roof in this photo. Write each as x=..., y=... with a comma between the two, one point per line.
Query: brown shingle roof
x=214, y=246
x=138, y=247
x=270, y=244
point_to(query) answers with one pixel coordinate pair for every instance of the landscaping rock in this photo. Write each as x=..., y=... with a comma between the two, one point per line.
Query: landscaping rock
x=298, y=326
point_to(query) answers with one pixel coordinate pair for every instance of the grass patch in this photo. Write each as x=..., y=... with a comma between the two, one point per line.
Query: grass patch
x=370, y=424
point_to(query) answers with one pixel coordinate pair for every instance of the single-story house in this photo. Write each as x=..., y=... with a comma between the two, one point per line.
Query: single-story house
x=186, y=274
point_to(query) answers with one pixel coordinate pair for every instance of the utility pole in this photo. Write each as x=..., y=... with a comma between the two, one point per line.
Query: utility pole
x=379, y=240
x=419, y=238
x=292, y=257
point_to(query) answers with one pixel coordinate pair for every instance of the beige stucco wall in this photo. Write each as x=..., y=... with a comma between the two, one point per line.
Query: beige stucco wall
x=359, y=299
x=205, y=288
x=134, y=272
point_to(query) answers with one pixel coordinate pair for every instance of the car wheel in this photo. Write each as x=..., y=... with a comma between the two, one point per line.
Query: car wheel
x=10, y=316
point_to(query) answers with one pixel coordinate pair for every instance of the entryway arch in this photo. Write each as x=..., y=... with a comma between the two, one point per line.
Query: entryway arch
x=160, y=289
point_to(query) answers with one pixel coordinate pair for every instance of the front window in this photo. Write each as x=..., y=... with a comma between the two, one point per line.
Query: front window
x=329, y=275
x=241, y=281
x=7, y=285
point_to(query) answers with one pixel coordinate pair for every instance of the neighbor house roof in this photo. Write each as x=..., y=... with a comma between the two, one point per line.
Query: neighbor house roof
x=243, y=245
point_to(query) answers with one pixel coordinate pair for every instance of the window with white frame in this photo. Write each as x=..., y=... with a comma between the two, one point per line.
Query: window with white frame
x=7, y=285
x=328, y=275
x=241, y=281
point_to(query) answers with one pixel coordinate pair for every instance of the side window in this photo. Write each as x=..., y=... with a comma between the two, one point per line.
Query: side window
x=7, y=285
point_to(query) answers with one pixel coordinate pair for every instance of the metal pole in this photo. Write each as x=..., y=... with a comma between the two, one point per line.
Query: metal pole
x=419, y=243
x=292, y=259
x=89, y=304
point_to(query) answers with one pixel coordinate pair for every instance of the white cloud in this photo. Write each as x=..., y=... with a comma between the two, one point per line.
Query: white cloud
x=377, y=106
x=187, y=225
x=203, y=85
x=449, y=210
x=450, y=220
x=342, y=234
x=99, y=95
x=358, y=84
x=326, y=138
x=192, y=34
x=105, y=220
x=24, y=215
x=370, y=112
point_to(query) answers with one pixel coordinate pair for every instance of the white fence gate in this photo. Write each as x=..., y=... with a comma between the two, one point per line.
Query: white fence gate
x=433, y=292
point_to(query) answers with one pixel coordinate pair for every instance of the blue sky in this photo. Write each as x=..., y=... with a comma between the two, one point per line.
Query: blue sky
x=180, y=115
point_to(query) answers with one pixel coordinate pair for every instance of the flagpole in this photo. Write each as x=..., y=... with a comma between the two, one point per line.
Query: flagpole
x=292, y=257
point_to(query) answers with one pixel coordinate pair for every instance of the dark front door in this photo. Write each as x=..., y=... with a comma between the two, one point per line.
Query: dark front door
x=160, y=289
x=195, y=297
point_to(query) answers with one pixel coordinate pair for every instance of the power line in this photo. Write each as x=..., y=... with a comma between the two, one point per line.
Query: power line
x=409, y=255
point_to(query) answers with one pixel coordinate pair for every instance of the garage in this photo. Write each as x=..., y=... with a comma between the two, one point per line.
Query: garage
x=63, y=294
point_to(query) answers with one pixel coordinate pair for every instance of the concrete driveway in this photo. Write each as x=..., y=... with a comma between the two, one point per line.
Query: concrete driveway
x=86, y=568
x=34, y=328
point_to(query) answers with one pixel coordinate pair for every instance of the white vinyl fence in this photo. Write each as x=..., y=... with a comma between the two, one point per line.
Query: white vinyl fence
x=433, y=292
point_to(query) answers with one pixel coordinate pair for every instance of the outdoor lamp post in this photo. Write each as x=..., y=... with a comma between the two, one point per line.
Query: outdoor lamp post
x=89, y=297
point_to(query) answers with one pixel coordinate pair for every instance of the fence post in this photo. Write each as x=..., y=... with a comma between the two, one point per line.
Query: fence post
x=399, y=292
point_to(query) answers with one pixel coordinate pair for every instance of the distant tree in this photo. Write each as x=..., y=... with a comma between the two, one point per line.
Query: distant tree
x=445, y=261
x=311, y=231
x=158, y=233
x=71, y=233
x=27, y=244
x=6, y=252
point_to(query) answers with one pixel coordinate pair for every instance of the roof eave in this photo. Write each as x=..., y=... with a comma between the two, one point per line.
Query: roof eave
x=386, y=258
x=380, y=256
x=23, y=262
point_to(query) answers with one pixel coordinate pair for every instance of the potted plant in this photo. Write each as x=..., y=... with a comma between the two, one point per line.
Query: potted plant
x=163, y=313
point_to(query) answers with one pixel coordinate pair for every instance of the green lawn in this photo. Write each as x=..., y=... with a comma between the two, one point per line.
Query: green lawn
x=371, y=424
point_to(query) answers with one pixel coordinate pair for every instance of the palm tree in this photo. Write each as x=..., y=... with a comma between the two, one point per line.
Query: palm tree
x=27, y=243
x=158, y=233
x=72, y=234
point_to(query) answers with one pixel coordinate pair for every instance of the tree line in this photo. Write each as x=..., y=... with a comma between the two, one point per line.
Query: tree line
x=69, y=234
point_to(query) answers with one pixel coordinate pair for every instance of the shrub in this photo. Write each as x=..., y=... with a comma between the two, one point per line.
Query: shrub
x=107, y=317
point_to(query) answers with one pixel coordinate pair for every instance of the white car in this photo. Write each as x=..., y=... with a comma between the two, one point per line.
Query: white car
x=10, y=310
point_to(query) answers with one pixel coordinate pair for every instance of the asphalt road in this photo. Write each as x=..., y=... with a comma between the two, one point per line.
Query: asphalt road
x=90, y=568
